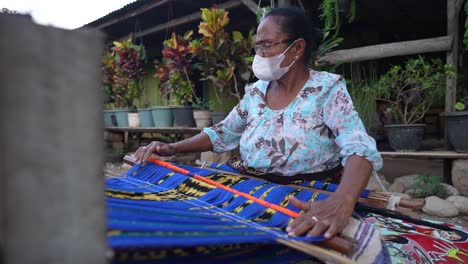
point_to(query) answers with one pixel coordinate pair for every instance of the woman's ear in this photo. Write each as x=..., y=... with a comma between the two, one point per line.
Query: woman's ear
x=299, y=47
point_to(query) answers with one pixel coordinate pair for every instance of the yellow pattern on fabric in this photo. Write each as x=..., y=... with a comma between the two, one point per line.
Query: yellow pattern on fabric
x=165, y=178
x=311, y=184
x=453, y=253
x=314, y=196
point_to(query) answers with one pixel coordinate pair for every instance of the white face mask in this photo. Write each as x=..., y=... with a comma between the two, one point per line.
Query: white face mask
x=268, y=69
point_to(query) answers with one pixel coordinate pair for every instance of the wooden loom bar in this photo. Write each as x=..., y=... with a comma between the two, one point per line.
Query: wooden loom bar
x=389, y=50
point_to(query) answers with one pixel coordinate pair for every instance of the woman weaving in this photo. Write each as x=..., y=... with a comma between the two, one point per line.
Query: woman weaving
x=294, y=123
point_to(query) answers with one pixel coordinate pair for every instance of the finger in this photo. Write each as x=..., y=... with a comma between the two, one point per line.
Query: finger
x=306, y=224
x=294, y=224
x=138, y=155
x=298, y=203
x=332, y=230
x=158, y=150
x=337, y=226
x=147, y=154
x=320, y=227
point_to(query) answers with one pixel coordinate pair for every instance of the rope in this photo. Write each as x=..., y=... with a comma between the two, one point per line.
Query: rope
x=378, y=180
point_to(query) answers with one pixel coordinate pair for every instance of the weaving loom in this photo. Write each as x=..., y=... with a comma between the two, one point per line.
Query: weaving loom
x=158, y=215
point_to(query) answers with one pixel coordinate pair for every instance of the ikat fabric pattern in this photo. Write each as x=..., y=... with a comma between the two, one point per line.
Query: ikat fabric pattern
x=319, y=129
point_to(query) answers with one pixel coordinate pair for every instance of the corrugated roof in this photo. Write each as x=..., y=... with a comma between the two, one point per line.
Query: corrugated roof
x=120, y=12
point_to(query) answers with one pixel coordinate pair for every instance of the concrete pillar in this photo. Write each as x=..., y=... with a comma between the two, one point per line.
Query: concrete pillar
x=51, y=154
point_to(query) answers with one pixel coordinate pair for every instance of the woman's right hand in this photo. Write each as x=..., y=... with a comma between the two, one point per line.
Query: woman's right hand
x=162, y=149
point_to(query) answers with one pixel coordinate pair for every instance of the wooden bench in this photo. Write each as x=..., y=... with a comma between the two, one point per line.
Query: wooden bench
x=446, y=156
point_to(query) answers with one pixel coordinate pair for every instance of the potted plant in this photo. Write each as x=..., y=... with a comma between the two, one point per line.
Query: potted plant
x=146, y=116
x=410, y=90
x=361, y=86
x=174, y=73
x=223, y=59
x=162, y=114
x=457, y=126
x=127, y=85
x=108, y=69
x=202, y=112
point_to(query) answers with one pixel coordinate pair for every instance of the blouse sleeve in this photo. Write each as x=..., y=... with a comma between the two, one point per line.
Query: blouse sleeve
x=351, y=136
x=226, y=134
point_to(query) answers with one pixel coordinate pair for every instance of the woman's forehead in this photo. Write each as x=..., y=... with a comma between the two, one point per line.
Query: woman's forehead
x=270, y=29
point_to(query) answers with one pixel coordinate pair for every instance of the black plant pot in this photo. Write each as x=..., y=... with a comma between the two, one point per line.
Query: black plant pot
x=457, y=130
x=217, y=117
x=405, y=137
x=183, y=116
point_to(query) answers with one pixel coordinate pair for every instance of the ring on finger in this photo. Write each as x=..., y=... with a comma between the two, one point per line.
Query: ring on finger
x=315, y=219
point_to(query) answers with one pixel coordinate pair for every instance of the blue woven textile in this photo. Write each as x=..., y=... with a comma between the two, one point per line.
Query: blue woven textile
x=151, y=206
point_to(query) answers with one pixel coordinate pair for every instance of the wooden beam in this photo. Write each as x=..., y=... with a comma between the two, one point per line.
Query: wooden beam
x=424, y=155
x=251, y=5
x=132, y=13
x=453, y=11
x=389, y=50
x=185, y=19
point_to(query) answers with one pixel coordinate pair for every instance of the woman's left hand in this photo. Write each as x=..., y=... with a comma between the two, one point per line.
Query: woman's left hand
x=329, y=216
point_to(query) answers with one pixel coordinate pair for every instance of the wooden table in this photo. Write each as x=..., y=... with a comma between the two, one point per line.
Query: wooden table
x=446, y=156
x=161, y=130
x=138, y=131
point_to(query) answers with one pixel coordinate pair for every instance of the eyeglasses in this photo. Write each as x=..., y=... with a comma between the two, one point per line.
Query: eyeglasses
x=267, y=45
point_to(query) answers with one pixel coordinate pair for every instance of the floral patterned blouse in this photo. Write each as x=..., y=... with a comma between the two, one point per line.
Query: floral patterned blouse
x=315, y=132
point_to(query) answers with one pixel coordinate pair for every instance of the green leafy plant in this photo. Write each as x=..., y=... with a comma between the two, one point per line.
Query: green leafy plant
x=202, y=104
x=222, y=58
x=428, y=185
x=331, y=15
x=127, y=71
x=328, y=44
x=332, y=21
x=175, y=69
x=362, y=90
x=461, y=105
x=261, y=13
x=108, y=71
x=411, y=89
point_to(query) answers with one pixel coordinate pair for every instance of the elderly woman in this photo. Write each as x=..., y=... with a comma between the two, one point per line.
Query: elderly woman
x=293, y=123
